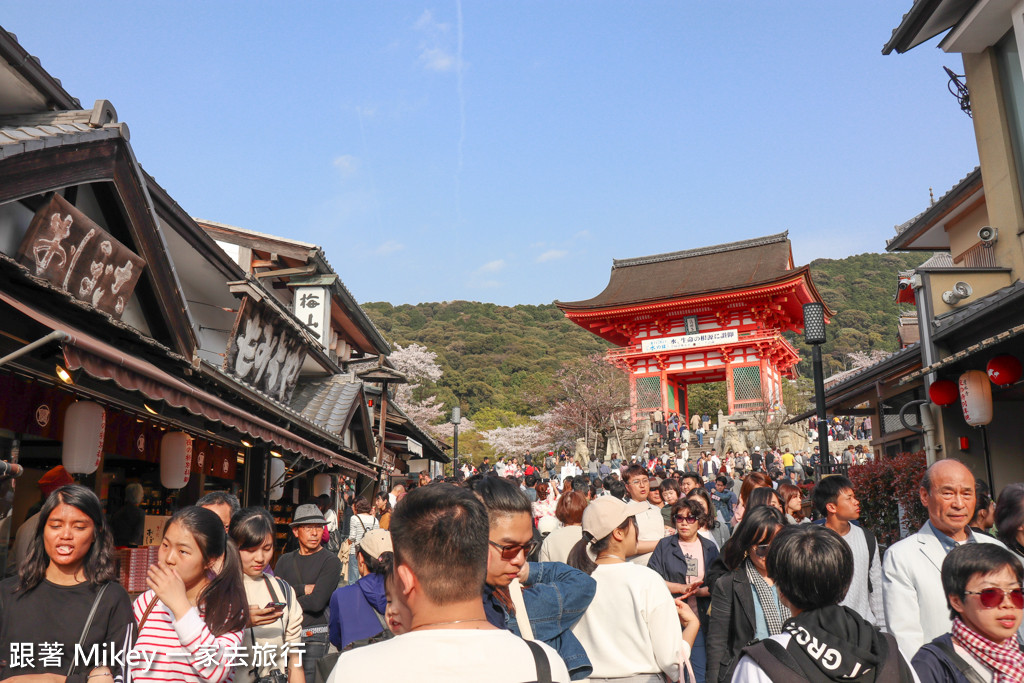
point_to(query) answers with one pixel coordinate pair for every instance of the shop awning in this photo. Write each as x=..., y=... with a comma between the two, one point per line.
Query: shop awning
x=964, y=353
x=105, y=362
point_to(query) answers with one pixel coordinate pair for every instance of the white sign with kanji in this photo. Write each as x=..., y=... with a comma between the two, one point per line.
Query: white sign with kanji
x=313, y=308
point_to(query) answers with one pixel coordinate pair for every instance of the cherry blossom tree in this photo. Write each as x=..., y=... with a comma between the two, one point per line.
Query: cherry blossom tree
x=516, y=441
x=592, y=392
x=416, y=398
x=863, y=359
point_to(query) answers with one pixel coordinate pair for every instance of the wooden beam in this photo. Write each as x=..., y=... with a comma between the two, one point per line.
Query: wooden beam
x=284, y=272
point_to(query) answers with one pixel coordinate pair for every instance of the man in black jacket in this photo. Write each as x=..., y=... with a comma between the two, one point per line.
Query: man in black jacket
x=313, y=573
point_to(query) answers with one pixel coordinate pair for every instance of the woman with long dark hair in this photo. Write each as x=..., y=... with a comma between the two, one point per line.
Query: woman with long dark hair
x=537, y=600
x=744, y=603
x=275, y=616
x=193, y=614
x=631, y=629
x=69, y=571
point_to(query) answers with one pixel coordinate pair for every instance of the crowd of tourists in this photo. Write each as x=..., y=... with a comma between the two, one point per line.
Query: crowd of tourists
x=626, y=577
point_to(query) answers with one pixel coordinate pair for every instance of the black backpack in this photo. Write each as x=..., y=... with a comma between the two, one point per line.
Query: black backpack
x=775, y=661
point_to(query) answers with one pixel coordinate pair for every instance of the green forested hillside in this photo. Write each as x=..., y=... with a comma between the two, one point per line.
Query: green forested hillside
x=492, y=356
x=860, y=289
x=505, y=357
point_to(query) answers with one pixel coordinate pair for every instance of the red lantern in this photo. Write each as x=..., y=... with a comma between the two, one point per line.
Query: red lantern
x=944, y=392
x=1004, y=370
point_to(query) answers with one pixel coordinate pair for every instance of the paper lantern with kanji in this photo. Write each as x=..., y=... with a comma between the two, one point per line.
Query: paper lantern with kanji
x=322, y=485
x=976, y=397
x=175, y=459
x=1004, y=370
x=943, y=392
x=84, y=425
x=276, y=476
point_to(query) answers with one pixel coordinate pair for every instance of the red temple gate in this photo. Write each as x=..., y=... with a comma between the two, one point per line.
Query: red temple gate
x=703, y=315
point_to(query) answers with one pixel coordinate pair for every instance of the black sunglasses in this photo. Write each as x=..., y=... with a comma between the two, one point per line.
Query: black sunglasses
x=762, y=550
x=509, y=552
x=688, y=520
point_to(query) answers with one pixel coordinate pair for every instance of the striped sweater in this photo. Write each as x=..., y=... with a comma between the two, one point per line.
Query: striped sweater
x=183, y=650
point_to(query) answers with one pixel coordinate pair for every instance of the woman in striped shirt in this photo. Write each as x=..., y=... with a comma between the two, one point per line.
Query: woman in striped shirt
x=191, y=619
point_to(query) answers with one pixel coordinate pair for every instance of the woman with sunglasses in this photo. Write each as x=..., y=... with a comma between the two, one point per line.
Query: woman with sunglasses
x=681, y=560
x=982, y=582
x=536, y=600
x=745, y=605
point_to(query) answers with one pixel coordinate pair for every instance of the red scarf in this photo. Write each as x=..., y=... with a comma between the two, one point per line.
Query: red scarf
x=1005, y=659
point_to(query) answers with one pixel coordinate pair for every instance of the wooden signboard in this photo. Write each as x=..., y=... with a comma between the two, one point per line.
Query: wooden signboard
x=264, y=352
x=66, y=248
x=153, y=532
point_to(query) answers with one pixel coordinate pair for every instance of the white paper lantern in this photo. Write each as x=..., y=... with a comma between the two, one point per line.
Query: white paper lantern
x=84, y=426
x=976, y=397
x=322, y=485
x=175, y=459
x=276, y=476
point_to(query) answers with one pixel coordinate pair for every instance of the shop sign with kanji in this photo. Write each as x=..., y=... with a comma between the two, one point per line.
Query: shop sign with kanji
x=68, y=249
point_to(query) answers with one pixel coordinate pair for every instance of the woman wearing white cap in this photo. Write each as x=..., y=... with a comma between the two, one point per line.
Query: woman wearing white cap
x=631, y=629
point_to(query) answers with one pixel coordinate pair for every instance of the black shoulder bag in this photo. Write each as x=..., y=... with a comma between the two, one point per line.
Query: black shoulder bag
x=275, y=675
x=88, y=622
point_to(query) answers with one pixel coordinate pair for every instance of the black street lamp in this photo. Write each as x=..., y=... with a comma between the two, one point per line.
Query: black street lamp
x=456, y=419
x=814, y=334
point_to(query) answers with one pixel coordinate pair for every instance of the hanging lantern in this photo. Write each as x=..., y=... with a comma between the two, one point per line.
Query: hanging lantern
x=84, y=425
x=943, y=392
x=276, y=477
x=1004, y=370
x=175, y=459
x=976, y=397
x=322, y=485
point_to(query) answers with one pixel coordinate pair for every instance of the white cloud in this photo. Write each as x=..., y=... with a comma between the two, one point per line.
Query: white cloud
x=492, y=266
x=582, y=234
x=435, y=47
x=552, y=255
x=347, y=165
x=389, y=247
x=489, y=284
x=436, y=59
x=428, y=24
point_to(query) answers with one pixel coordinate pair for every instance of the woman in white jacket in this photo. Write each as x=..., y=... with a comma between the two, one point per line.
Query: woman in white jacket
x=649, y=644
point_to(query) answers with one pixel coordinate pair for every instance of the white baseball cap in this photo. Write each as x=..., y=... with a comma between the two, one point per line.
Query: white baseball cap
x=606, y=514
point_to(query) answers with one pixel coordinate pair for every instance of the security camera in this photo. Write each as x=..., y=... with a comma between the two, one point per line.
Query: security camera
x=988, y=234
x=961, y=290
x=904, y=284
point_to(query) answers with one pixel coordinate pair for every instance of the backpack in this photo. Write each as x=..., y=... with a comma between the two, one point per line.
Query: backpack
x=775, y=661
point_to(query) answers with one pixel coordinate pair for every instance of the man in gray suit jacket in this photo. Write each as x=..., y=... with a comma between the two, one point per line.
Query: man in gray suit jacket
x=915, y=604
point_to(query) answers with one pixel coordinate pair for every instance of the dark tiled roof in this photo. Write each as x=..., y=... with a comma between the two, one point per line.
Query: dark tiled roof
x=966, y=185
x=688, y=273
x=328, y=402
x=29, y=132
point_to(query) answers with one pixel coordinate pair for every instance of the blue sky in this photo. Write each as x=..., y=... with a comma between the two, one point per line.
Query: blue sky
x=508, y=151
